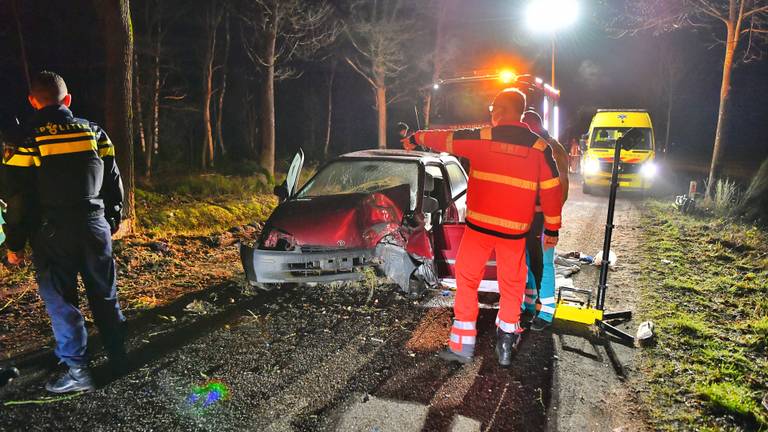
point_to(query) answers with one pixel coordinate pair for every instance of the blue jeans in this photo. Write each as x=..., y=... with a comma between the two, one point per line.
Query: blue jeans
x=65, y=246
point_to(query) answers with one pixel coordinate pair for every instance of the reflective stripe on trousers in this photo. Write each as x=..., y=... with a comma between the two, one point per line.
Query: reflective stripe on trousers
x=463, y=337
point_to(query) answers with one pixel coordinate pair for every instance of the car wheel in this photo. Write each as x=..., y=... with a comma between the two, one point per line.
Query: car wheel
x=586, y=189
x=416, y=289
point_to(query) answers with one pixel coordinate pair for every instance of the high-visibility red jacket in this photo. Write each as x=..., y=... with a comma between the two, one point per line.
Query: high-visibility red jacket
x=509, y=166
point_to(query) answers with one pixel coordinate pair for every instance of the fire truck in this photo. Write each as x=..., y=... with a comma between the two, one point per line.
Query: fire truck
x=464, y=101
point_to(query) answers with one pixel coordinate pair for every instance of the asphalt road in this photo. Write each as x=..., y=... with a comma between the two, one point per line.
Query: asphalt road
x=328, y=358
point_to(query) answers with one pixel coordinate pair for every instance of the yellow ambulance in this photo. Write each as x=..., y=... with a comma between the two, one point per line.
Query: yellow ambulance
x=635, y=130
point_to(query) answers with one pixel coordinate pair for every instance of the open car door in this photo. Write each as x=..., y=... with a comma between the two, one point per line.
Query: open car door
x=447, y=238
x=294, y=171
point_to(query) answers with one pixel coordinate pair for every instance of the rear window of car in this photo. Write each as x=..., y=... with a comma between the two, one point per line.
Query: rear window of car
x=363, y=176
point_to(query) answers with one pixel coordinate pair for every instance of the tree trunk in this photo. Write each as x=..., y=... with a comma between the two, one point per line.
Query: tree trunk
x=381, y=107
x=267, y=156
x=331, y=77
x=223, y=89
x=138, y=104
x=427, y=109
x=154, y=118
x=210, y=51
x=22, y=46
x=437, y=62
x=725, y=89
x=118, y=40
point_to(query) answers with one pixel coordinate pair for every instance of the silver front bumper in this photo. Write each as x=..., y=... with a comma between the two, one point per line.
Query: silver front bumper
x=265, y=266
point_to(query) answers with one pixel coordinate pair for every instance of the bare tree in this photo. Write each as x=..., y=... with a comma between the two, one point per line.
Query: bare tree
x=331, y=78
x=439, y=56
x=277, y=32
x=118, y=40
x=212, y=19
x=380, y=33
x=150, y=46
x=223, y=87
x=732, y=22
x=22, y=45
x=671, y=70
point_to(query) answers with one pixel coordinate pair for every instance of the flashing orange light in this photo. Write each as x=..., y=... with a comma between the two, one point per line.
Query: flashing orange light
x=506, y=76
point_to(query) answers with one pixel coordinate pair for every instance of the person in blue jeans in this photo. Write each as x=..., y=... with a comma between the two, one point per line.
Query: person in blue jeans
x=541, y=260
x=65, y=199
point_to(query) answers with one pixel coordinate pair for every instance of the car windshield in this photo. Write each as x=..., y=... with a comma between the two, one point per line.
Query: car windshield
x=633, y=138
x=362, y=176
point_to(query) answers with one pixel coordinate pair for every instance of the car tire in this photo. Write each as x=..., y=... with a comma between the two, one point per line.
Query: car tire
x=586, y=189
x=416, y=289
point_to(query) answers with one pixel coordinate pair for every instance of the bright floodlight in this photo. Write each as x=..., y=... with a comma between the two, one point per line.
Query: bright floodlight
x=548, y=16
x=436, y=86
x=506, y=76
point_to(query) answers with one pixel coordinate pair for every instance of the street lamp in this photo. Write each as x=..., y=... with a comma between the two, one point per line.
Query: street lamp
x=549, y=16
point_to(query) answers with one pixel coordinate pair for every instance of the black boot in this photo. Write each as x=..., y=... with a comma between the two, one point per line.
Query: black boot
x=506, y=345
x=451, y=356
x=539, y=324
x=76, y=379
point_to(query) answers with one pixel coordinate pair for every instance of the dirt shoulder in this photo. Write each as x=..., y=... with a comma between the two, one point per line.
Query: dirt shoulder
x=594, y=388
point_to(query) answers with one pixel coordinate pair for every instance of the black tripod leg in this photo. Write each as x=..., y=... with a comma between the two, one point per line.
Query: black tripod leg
x=623, y=337
x=623, y=315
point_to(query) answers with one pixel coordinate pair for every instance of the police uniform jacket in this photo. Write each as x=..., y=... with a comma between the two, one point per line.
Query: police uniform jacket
x=58, y=166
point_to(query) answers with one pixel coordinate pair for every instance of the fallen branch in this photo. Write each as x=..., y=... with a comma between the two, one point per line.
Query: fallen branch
x=42, y=400
x=14, y=300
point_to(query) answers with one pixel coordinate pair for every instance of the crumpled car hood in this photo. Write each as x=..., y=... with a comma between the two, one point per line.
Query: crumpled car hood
x=343, y=221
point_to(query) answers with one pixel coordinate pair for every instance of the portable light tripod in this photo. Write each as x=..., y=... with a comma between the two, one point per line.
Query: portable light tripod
x=581, y=312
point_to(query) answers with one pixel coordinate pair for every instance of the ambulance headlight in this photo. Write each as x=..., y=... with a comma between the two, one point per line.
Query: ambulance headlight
x=591, y=166
x=648, y=170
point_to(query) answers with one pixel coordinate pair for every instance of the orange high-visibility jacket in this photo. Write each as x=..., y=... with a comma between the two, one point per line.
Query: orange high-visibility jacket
x=509, y=166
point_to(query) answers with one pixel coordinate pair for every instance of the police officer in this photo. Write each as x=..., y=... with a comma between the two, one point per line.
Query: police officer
x=510, y=168
x=65, y=198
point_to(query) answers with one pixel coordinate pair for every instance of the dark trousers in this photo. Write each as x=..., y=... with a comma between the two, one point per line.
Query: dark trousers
x=65, y=246
x=534, y=249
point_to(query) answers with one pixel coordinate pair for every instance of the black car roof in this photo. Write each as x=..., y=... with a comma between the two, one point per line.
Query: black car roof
x=424, y=157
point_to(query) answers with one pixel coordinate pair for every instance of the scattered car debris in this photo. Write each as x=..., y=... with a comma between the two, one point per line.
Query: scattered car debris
x=645, y=333
x=199, y=307
x=611, y=259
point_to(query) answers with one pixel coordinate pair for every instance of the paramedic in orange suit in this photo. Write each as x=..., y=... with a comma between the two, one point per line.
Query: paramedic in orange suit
x=510, y=166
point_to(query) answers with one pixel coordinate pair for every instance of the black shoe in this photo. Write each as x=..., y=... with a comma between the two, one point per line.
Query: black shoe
x=506, y=345
x=451, y=356
x=539, y=324
x=76, y=379
x=527, y=315
x=118, y=360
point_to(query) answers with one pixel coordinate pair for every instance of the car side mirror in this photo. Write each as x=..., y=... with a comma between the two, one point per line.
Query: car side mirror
x=281, y=191
x=430, y=205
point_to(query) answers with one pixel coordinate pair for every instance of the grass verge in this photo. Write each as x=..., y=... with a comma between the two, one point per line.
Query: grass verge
x=202, y=205
x=705, y=286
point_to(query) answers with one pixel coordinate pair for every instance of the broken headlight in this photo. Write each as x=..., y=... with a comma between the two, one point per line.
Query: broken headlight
x=274, y=239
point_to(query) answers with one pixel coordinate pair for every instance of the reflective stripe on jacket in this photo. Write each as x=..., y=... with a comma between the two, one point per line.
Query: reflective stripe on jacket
x=63, y=164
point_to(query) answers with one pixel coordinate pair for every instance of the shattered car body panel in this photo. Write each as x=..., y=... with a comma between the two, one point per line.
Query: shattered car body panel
x=341, y=222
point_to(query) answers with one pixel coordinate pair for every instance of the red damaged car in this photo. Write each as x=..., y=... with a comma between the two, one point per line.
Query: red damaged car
x=400, y=212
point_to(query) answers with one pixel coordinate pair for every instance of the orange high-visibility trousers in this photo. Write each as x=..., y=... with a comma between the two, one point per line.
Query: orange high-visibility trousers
x=474, y=251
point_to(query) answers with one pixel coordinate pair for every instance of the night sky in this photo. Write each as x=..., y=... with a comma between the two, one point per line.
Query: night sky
x=596, y=70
